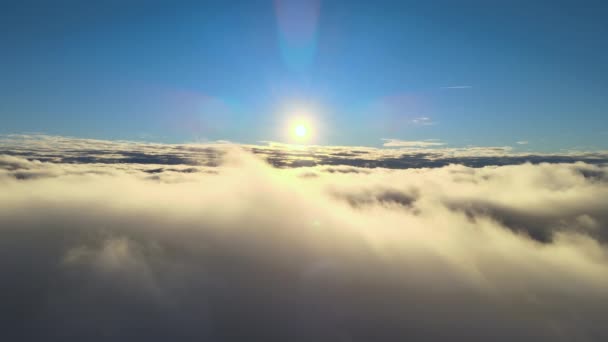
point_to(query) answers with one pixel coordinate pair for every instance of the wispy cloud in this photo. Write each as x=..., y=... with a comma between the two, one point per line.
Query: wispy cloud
x=410, y=143
x=522, y=142
x=423, y=121
x=458, y=87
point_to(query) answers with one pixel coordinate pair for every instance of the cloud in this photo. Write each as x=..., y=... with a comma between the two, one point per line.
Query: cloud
x=458, y=87
x=423, y=121
x=87, y=151
x=104, y=251
x=522, y=142
x=410, y=143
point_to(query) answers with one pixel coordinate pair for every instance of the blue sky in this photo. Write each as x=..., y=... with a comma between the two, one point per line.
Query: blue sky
x=483, y=73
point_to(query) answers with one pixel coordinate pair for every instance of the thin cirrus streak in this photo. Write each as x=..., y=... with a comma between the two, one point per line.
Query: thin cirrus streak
x=406, y=143
x=458, y=87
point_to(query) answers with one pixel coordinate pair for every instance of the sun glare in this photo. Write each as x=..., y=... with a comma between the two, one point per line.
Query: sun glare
x=301, y=126
x=300, y=131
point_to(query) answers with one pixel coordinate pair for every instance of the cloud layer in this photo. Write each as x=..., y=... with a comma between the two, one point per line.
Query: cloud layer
x=240, y=250
x=400, y=155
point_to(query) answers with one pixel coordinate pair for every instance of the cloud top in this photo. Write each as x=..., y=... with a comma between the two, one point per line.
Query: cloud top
x=105, y=251
x=399, y=154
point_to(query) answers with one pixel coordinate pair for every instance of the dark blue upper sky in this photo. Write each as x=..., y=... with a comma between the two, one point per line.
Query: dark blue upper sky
x=465, y=72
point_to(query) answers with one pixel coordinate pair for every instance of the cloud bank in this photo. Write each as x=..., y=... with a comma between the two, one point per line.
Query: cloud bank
x=240, y=250
x=422, y=154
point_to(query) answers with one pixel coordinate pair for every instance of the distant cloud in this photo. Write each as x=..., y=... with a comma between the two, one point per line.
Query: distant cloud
x=458, y=87
x=410, y=143
x=223, y=142
x=423, y=121
x=395, y=154
x=522, y=142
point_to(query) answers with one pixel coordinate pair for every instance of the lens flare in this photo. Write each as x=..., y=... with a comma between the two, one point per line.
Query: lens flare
x=298, y=25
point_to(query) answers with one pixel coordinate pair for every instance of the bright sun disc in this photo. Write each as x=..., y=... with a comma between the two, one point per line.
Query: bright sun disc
x=300, y=127
x=300, y=131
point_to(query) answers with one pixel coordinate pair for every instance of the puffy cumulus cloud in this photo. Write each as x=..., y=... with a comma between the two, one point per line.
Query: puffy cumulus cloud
x=245, y=251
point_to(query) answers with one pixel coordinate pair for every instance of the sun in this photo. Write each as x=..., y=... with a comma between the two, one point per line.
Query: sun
x=300, y=131
x=300, y=127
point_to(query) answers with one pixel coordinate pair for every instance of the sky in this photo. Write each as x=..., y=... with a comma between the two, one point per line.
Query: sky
x=527, y=74
x=303, y=170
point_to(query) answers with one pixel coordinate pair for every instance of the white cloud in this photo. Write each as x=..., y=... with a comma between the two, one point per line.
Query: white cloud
x=150, y=252
x=423, y=121
x=522, y=142
x=411, y=143
x=408, y=154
